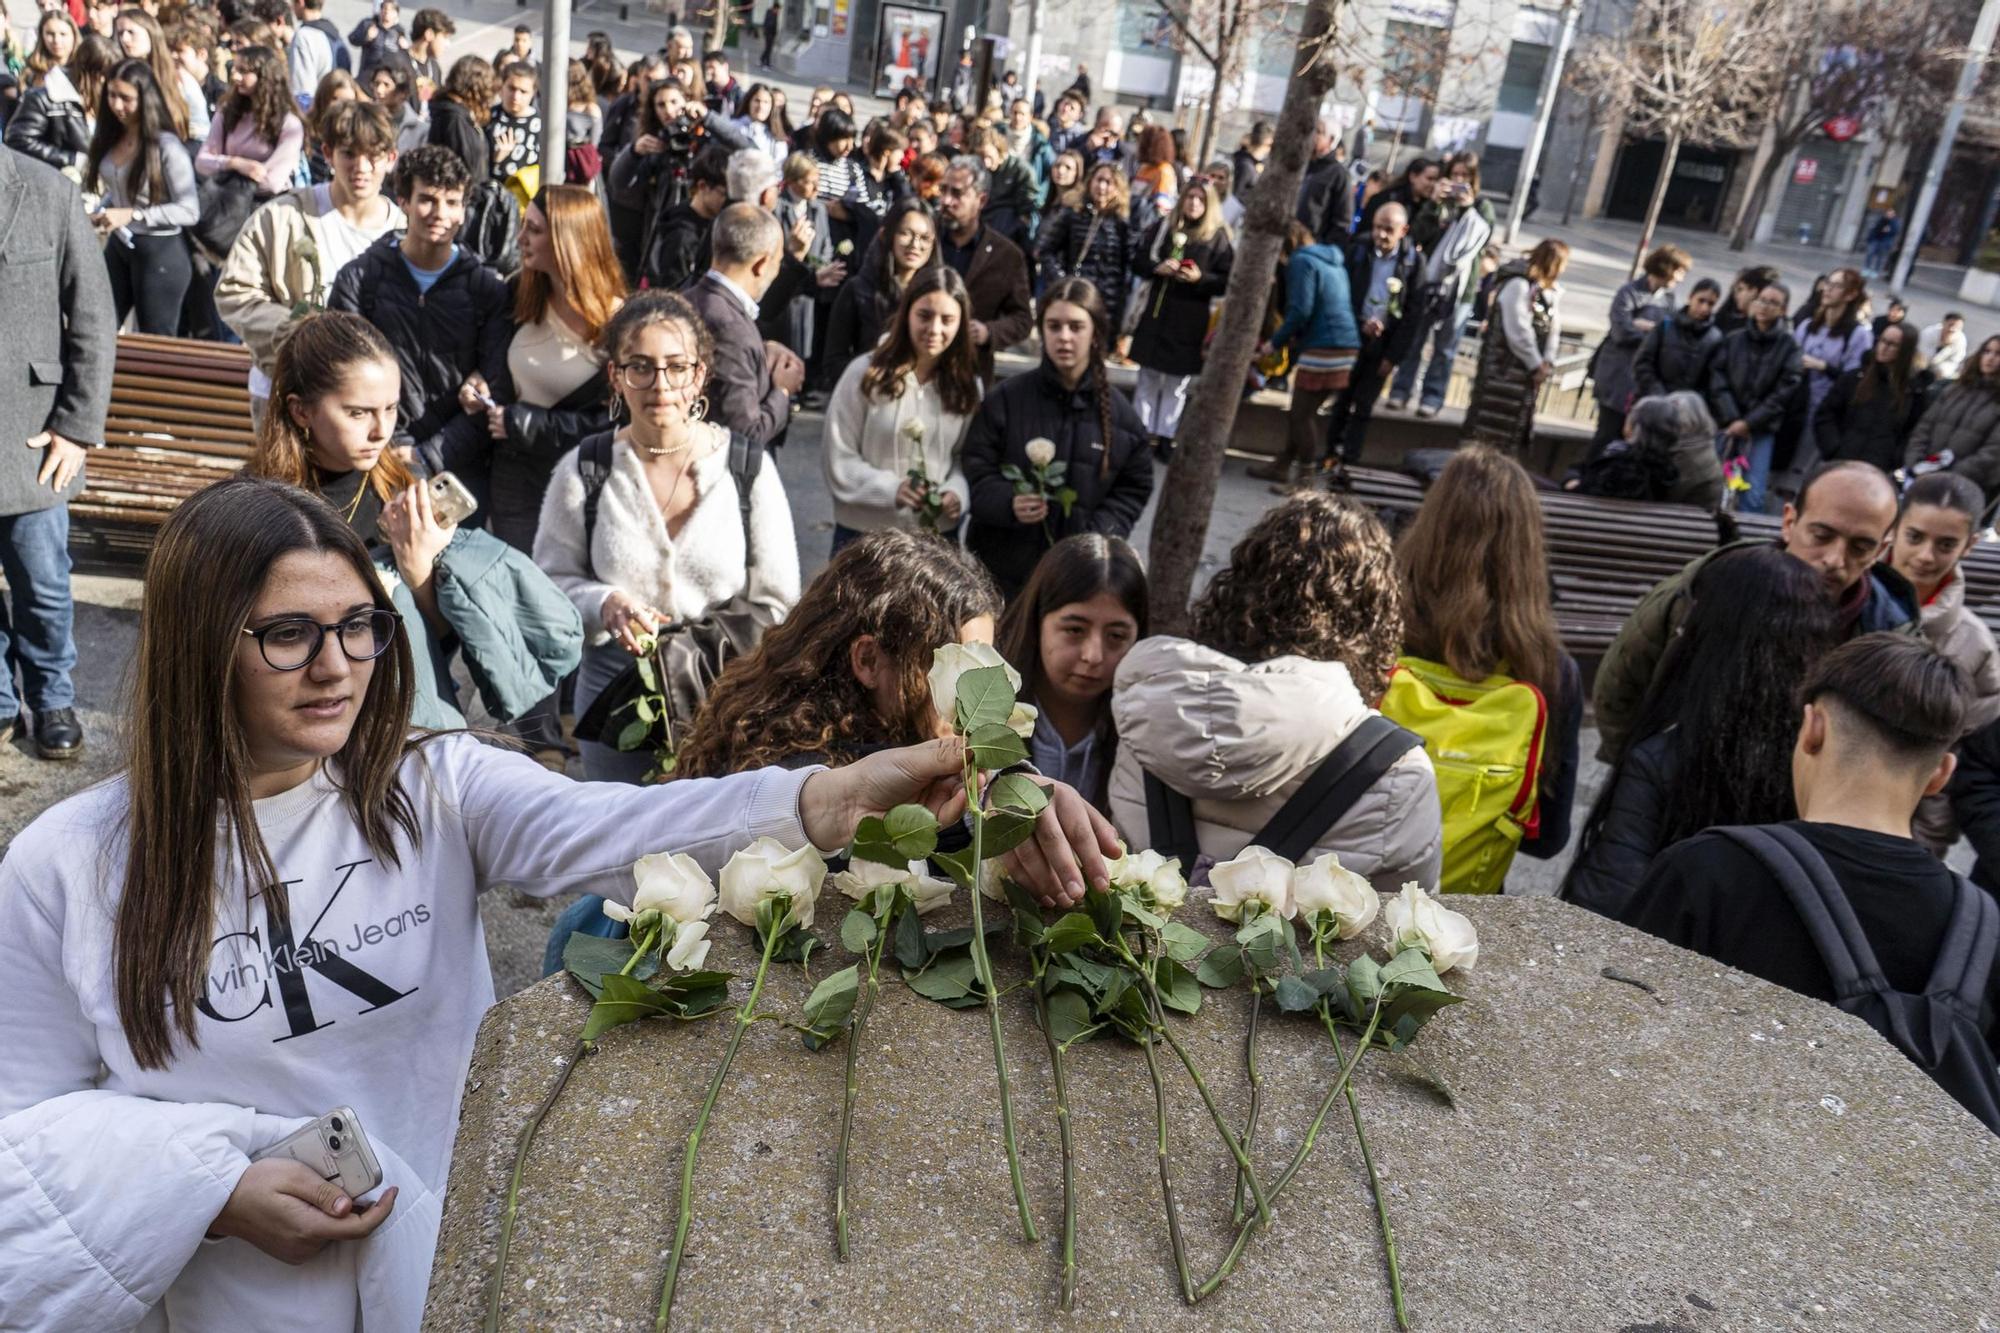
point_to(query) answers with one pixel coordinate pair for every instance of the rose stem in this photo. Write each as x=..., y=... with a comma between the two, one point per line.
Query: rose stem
x=1056, y=1059
x=1236, y=1212
x=982, y=968
x=743, y=1021
x=847, y=1105
x=514, y=1181
x=1375, y=1186
x=1166, y=1169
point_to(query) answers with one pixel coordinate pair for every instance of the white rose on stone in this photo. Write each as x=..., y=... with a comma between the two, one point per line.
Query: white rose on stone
x=1041, y=452
x=1256, y=876
x=767, y=870
x=952, y=661
x=1154, y=877
x=671, y=884
x=1327, y=886
x=690, y=949
x=862, y=878
x=1418, y=921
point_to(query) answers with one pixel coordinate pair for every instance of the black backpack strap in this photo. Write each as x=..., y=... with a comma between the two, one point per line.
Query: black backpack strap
x=1965, y=962
x=1822, y=906
x=746, y=460
x=1332, y=788
x=593, y=464
x=1170, y=821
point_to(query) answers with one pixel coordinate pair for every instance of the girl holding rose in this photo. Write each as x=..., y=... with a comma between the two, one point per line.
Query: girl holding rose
x=1058, y=450
x=898, y=417
x=1182, y=264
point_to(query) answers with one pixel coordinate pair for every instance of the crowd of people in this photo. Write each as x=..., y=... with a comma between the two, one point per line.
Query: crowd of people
x=540, y=481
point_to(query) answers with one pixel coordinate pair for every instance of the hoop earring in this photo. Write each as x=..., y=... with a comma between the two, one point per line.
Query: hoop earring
x=699, y=410
x=617, y=411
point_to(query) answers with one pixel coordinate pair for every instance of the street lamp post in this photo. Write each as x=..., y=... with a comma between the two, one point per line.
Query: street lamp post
x=1545, y=106
x=555, y=89
x=1968, y=81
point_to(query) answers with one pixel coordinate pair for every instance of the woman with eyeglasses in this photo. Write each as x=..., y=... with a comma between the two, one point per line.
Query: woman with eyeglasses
x=273, y=912
x=663, y=521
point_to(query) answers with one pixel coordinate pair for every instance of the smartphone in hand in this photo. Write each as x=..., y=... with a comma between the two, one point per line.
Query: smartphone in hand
x=334, y=1147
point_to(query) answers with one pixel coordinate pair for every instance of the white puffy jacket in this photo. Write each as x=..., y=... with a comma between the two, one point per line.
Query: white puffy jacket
x=1239, y=739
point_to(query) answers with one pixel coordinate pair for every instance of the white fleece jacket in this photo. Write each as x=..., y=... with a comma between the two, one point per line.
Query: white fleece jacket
x=867, y=455
x=631, y=551
x=367, y=993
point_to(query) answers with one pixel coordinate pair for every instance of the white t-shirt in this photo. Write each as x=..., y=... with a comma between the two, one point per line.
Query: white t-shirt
x=368, y=992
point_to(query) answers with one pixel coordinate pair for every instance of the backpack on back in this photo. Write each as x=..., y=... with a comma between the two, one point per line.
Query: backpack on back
x=1486, y=740
x=1939, y=1029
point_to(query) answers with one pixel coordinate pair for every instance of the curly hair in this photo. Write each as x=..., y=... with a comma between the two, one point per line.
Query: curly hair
x=796, y=694
x=1316, y=578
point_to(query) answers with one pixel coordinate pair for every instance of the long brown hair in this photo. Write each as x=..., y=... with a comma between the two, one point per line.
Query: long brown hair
x=797, y=694
x=587, y=266
x=957, y=374
x=269, y=104
x=312, y=361
x=146, y=177
x=159, y=58
x=41, y=62
x=1083, y=293
x=189, y=756
x=1475, y=573
x=1315, y=578
x=472, y=84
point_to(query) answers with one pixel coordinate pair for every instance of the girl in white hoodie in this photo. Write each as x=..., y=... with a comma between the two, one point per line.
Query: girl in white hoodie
x=273, y=911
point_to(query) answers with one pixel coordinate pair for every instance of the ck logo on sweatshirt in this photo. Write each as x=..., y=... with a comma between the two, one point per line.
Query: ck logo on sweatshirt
x=240, y=979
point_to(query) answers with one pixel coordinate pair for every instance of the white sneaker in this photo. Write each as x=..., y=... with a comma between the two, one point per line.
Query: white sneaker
x=1397, y=405
x=1427, y=411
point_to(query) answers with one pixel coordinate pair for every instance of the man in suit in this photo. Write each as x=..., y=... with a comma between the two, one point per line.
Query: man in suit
x=996, y=276
x=55, y=300
x=1383, y=270
x=751, y=382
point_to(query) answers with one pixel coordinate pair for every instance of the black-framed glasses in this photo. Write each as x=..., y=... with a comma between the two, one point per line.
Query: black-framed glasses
x=643, y=374
x=292, y=644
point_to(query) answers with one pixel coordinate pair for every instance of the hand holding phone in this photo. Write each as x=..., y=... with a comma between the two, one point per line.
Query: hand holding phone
x=335, y=1148
x=451, y=501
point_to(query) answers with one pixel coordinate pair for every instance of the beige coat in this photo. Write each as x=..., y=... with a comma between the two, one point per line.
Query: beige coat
x=1240, y=739
x=1963, y=637
x=269, y=271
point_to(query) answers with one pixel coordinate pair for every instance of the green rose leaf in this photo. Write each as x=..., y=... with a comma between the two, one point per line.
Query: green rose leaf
x=857, y=931
x=588, y=958
x=1222, y=968
x=873, y=842
x=957, y=864
x=1295, y=996
x=913, y=830
x=1069, y=1018
x=692, y=994
x=993, y=744
x=622, y=1001
x=1130, y=906
x=1028, y=928
x=795, y=946
x=985, y=696
x=1005, y=830
x=945, y=980
x=1262, y=941
x=1183, y=942
x=1017, y=897
x=940, y=941
x=1364, y=980
x=1017, y=791
x=1071, y=932
x=910, y=951
x=1066, y=497
x=830, y=1004
x=1178, y=989
x=633, y=735
x=1404, y=1015
x=1411, y=967
x=1106, y=912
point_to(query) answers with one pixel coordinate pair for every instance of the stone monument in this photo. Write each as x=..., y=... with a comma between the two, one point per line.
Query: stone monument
x=1611, y=1133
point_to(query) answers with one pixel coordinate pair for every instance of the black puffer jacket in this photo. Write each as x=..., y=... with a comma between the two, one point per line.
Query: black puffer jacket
x=1612, y=861
x=1874, y=430
x=861, y=311
x=452, y=127
x=49, y=125
x=1086, y=244
x=1752, y=376
x=1674, y=355
x=462, y=324
x=1965, y=420
x=1037, y=405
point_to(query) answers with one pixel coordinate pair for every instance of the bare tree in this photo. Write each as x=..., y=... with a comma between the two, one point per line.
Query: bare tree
x=1435, y=66
x=1180, y=526
x=1865, y=60
x=1689, y=71
x=1222, y=33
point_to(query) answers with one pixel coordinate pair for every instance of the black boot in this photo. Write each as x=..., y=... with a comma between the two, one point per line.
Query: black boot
x=58, y=735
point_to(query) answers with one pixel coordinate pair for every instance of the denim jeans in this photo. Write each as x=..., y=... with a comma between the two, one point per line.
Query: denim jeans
x=36, y=618
x=1443, y=337
x=1756, y=470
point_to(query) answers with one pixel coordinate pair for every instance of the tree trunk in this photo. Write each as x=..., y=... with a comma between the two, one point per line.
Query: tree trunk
x=1180, y=526
x=1200, y=162
x=1760, y=191
x=1576, y=174
x=1659, y=198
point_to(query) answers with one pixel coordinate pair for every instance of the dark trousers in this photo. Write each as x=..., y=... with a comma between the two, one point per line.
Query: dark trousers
x=1303, y=438
x=1610, y=426
x=770, y=40
x=36, y=617
x=1347, y=425
x=151, y=274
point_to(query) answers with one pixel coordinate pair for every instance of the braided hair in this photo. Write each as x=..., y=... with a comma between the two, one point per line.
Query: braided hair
x=1083, y=294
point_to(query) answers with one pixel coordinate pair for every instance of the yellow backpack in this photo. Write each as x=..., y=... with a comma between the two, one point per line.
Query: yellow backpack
x=1485, y=739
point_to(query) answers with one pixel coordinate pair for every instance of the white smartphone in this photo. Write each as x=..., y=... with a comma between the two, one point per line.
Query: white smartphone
x=450, y=500
x=334, y=1146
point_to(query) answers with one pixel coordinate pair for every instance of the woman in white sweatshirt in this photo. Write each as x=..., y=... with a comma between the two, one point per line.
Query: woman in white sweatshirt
x=903, y=409
x=668, y=538
x=273, y=912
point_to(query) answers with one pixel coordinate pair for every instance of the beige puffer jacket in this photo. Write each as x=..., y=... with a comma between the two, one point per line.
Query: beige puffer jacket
x=1240, y=739
x=1963, y=637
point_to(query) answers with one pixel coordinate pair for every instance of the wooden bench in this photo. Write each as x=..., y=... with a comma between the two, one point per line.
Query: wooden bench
x=179, y=419
x=1604, y=555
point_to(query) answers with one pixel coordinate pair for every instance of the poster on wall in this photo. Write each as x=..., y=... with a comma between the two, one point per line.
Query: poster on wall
x=909, y=43
x=840, y=18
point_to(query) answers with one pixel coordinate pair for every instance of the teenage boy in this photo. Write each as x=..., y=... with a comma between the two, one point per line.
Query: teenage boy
x=446, y=314
x=514, y=134
x=380, y=38
x=316, y=49
x=269, y=272
x=1880, y=716
x=429, y=31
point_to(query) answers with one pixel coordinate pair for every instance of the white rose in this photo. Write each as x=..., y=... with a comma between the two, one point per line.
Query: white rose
x=913, y=431
x=844, y=249
x=1327, y=886
x=670, y=884
x=690, y=949
x=1041, y=452
x=1180, y=240
x=1254, y=875
x=952, y=661
x=1155, y=877
x=766, y=870
x=1418, y=921
x=989, y=880
x=1394, y=285
x=1022, y=720
x=862, y=878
